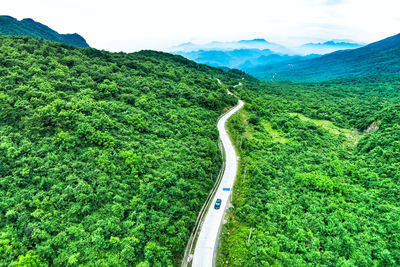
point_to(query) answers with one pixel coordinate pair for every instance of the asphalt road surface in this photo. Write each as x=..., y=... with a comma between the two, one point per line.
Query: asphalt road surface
x=208, y=236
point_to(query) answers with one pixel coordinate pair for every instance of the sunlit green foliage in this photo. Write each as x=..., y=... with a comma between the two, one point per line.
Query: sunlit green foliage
x=312, y=200
x=105, y=158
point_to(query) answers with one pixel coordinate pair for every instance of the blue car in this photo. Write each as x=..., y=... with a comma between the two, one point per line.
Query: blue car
x=217, y=204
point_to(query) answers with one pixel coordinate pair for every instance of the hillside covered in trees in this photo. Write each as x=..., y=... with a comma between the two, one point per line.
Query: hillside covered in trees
x=105, y=158
x=319, y=175
x=29, y=27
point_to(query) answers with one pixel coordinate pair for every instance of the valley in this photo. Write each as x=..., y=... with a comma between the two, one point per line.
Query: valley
x=253, y=154
x=377, y=58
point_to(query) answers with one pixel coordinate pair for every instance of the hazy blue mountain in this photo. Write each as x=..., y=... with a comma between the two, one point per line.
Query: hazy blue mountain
x=238, y=58
x=260, y=40
x=326, y=47
x=256, y=55
x=29, y=27
x=260, y=44
x=382, y=57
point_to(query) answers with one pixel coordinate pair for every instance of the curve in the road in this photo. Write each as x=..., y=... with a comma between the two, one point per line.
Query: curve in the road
x=208, y=236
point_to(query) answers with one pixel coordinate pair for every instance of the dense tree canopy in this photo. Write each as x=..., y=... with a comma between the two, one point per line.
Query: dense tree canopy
x=322, y=165
x=105, y=158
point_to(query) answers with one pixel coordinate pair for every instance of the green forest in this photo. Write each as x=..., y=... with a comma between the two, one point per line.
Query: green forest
x=105, y=158
x=319, y=175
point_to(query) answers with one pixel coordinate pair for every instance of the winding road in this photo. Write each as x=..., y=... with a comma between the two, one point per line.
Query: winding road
x=205, y=249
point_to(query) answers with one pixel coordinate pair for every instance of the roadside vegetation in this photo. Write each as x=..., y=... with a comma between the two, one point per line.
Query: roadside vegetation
x=316, y=199
x=105, y=158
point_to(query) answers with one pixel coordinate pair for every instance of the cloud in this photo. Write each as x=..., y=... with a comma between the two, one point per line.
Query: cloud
x=158, y=24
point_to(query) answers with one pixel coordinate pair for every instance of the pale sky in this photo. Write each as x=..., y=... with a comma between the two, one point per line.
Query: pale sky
x=121, y=25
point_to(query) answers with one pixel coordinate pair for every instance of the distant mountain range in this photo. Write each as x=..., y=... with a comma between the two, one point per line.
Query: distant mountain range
x=270, y=61
x=326, y=47
x=382, y=57
x=260, y=44
x=249, y=54
x=29, y=27
x=238, y=58
x=259, y=57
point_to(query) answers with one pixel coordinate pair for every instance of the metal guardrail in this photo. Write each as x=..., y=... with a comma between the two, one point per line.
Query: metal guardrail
x=189, y=247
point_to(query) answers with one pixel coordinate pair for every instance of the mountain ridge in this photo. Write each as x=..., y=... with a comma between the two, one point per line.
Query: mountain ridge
x=29, y=27
x=247, y=55
x=381, y=57
x=332, y=42
x=257, y=43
